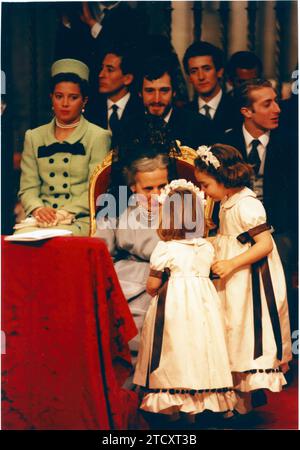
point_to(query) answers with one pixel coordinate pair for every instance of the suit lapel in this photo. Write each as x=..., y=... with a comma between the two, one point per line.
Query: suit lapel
x=220, y=110
x=103, y=122
x=132, y=108
x=193, y=105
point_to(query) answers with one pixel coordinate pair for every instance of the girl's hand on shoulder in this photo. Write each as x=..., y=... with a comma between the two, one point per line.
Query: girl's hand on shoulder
x=46, y=215
x=153, y=285
x=223, y=268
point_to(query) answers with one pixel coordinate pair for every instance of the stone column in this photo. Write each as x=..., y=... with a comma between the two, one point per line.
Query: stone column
x=182, y=30
x=238, y=27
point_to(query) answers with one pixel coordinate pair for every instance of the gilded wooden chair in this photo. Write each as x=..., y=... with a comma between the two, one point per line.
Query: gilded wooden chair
x=99, y=183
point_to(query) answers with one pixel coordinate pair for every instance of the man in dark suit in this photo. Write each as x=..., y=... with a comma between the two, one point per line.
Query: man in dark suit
x=88, y=29
x=204, y=65
x=263, y=144
x=115, y=101
x=158, y=94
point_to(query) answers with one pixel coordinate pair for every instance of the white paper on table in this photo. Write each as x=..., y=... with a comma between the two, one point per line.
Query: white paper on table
x=37, y=235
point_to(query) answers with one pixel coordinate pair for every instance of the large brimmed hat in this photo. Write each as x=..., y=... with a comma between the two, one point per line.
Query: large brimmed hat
x=70, y=66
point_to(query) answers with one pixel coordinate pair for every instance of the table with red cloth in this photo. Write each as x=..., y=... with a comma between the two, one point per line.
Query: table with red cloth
x=66, y=327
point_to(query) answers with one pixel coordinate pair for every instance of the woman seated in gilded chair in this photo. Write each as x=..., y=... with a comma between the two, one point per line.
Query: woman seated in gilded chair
x=132, y=237
x=59, y=157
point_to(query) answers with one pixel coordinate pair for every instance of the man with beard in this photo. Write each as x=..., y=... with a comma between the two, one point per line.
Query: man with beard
x=158, y=94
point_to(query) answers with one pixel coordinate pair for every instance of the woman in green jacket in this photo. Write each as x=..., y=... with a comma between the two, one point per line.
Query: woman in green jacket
x=59, y=158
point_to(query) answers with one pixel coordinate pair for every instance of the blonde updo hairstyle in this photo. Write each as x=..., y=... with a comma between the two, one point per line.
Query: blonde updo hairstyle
x=233, y=170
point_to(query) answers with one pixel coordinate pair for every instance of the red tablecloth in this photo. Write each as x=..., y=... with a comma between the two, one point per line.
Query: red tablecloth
x=67, y=325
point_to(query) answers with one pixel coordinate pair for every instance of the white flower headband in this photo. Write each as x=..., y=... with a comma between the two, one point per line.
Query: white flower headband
x=207, y=156
x=175, y=184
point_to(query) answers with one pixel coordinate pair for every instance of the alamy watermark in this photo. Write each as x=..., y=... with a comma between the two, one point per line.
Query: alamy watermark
x=295, y=342
x=295, y=84
x=3, y=82
x=141, y=212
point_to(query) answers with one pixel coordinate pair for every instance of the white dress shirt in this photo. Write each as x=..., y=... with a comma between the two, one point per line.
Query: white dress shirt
x=261, y=148
x=167, y=118
x=213, y=104
x=121, y=104
x=258, y=180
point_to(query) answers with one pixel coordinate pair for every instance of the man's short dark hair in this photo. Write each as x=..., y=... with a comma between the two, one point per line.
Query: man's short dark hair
x=243, y=93
x=155, y=67
x=243, y=60
x=203, y=48
x=127, y=56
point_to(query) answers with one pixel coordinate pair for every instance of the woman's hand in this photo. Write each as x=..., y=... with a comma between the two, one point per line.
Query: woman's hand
x=223, y=268
x=64, y=217
x=45, y=214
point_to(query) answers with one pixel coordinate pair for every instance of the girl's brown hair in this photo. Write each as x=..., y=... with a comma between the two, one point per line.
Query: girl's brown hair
x=181, y=219
x=233, y=170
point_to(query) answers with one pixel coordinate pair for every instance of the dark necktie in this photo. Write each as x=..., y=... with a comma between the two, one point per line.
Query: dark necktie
x=253, y=157
x=114, y=119
x=207, y=109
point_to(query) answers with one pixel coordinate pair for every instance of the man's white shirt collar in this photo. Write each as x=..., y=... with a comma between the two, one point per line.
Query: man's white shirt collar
x=261, y=148
x=167, y=118
x=263, y=139
x=213, y=103
x=121, y=104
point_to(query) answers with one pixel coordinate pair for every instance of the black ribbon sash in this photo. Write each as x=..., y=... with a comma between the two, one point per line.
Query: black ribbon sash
x=262, y=266
x=160, y=317
x=45, y=151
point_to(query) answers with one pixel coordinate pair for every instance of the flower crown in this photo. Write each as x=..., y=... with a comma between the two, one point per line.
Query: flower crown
x=208, y=157
x=175, y=184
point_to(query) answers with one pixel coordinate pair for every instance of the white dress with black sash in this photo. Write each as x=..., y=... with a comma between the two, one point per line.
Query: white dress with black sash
x=182, y=362
x=253, y=299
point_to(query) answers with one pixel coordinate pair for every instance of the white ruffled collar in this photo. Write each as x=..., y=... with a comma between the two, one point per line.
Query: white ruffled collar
x=231, y=201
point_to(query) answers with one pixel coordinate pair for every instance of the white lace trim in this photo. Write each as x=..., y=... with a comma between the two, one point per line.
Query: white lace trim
x=246, y=382
x=166, y=403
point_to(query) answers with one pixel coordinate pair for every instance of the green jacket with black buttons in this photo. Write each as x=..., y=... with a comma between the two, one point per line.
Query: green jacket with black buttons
x=57, y=174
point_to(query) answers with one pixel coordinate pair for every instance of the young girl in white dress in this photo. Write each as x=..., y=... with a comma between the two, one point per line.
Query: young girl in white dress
x=183, y=363
x=252, y=284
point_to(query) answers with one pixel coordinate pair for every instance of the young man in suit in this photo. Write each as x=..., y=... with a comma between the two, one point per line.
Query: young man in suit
x=263, y=144
x=157, y=94
x=204, y=65
x=115, y=101
x=88, y=29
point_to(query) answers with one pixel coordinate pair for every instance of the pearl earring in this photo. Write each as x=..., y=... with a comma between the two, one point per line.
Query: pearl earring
x=83, y=110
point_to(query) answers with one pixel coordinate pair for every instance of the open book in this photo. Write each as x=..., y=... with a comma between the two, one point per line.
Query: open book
x=37, y=235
